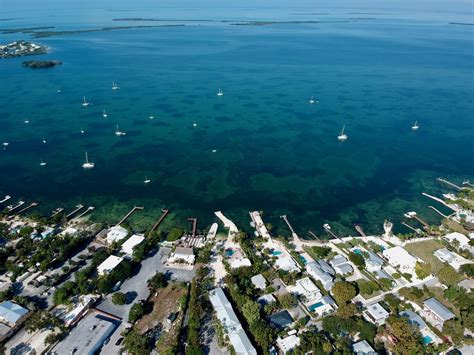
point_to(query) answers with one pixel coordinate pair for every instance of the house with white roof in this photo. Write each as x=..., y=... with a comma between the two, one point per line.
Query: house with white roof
x=363, y=348
x=315, y=271
x=461, y=239
x=376, y=314
x=306, y=288
x=183, y=255
x=130, y=243
x=260, y=227
x=259, y=281
x=324, y=306
x=399, y=258
x=287, y=263
x=231, y=324
x=288, y=343
x=109, y=264
x=115, y=234
x=449, y=257
x=341, y=265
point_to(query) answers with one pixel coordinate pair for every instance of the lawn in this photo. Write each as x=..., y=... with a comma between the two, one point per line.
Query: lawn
x=425, y=251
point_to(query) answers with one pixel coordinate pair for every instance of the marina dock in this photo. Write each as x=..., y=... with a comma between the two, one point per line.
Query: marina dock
x=438, y=211
x=136, y=208
x=194, y=221
x=449, y=183
x=31, y=205
x=158, y=222
x=56, y=212
x=89, y=209
x=14, y=207
x=78, y=208
x=359, y=230
x=5, y=199
x=438, y=200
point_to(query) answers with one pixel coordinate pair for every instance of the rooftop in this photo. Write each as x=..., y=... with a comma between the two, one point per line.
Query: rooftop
x=377, y=311
x=280, y=319
x=11, y=312
x=363, y=347
x=439, y=309
x=131, y=243
x=116, y=233
x=288, y=343
x=259, y=281
x=109, y=264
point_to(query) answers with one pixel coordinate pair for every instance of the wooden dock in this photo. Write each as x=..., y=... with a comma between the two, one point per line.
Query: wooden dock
x=438, y=200
x=158, y=222
x=359, y=230
x=56, y=212
x=14, y=207
x=89, y=209
x=77, y=209
x=314, y=236
x=296, y=239
x=136, y=208
x=5, y=199
x=438, y=211
x=194, y=221
x=31, y=205
x=449, y=183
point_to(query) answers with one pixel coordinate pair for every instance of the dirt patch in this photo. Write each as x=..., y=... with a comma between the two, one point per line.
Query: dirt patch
x=165, y=301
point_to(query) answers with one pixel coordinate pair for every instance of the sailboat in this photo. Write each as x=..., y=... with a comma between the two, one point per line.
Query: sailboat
x=220, y=93
x=43, y=163
x=194, y=123
x=146, y=181
x=87, y=164
x=312, y=100
x=27, y=121
x=104, y=114
x=115, y=86
x=44, y=140
x=415, y=126
x=118, y=132
x=82, y=130
x=85, y=103
x=342, y=136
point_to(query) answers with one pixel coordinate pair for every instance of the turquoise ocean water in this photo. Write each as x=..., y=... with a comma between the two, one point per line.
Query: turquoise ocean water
x=374, y=72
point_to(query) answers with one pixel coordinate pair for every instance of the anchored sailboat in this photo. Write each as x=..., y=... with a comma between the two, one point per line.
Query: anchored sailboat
x=115, y=86
x=415, y=126
x=87, y=164
x=118, y=132
x=342, y=136
x=85, y=103
x=104, y=114
x=220, y=93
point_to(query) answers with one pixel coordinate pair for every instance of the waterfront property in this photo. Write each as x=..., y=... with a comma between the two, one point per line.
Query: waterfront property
x=399, y=258
x=232, y=327
x=109, y=264
x=116, y=233
x=12, y=315
x=450, y=258
x=131, y=243
x=182, y=255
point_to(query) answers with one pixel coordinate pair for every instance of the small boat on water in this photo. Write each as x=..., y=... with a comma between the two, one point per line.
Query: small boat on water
x=151, y=117
x=27, y=121
x=214, y=150
x=415, y=126
x=312, y=100
x=104, y=114
x=87, y=164
x=115, y=86
x=59, y=91
x=220, y=93
x=119, y=133
x=44, y=140
x=82, y=130
x=42, y=163
x=342, y=136
x=5, y=144
x=85, y=103
x=194, y=123
x=146, y=181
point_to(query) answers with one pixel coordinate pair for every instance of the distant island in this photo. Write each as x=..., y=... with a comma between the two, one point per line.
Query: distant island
x=21, y=48
x=40, y=64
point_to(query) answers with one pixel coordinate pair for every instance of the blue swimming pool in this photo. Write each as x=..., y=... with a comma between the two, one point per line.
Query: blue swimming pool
x=357, y=251
x=276, y=252
x=427, y=339
x=314, y=306
x=303, y=259
x=229, y=252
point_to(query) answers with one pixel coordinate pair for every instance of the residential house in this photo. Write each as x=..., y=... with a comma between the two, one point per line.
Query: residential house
x=437, y=311
x=376, y=314
x=259, y=281
x=399, y=258
x=315, y=271
x=109, y=264
x=289, y=343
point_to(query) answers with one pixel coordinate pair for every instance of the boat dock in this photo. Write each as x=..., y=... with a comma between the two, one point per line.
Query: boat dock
x=449, y=183
x=136, y=208
x=359, y=230
x=5, y=199
x=89, y=209
x=14, y=207
x=296, y=239
x=327, y=228
x=194, y=221
x=439, y=212
x=56, y=211
x=158, y=222
x=31, y=205
x=417, y=231
x=438, y=200
x=78, y=208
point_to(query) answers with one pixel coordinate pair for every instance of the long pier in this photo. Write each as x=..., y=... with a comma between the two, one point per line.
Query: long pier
x=78, y=208
x=438, y=211
x=31, y=205
x=56, y=212
x=89, y=209
x=417, y=231
x=449, y=183
x=314, y=236
x=194, y=221
x=438, y=200
x=5, y=199
x=359, y=230
x=136, y=208
x=328, y=229
x=158, y=222
x=13, y=208
x=293, y=233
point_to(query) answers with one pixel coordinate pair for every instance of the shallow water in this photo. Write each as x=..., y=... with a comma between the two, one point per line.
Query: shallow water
x=275, y=151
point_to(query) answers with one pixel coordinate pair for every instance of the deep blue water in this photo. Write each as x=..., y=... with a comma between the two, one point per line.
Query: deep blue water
x=376, y=72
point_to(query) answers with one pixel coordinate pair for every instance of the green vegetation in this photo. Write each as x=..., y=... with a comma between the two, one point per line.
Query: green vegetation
x=136, y=312
x=42, y=320
x=157, y=281
x=467, y=269
x=367, y=288
x=136, y=343
x=422, y=270
x=174, y=234
x=119, y=298
x=357, y=259
x=408, y=335
x=448, y=276
x=425, y=251
x=343, y=292
x=317, y=252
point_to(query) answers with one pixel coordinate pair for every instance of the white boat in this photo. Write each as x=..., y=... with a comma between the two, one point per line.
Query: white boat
x=5, y=144
x=220, y=93
x=42, y=163
x=82, y=130
x=119, y=132
x=194, y=123
x=115, y=86
x=146, y=181
x=59, y=91
x=415, y=126
x=44, y=140
x=312, y=100
x=214, y=150
x=104, y=114
x=342, y=136
x=87, y=164
x=27, y=121
x=151, y=117
x=85, y=103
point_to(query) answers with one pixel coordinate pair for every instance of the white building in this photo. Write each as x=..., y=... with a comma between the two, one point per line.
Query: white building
x=401, y=259
x=449, y=257
x=461, y=239
x=115, y=234
x=376, y=314
x=11, y=313
x=232, y=327
x=131, y=243
x=259, y=281
x=286, y=262
x=109, y=264
x=69, y=231
x=182, y=255
x=324, y=306
x=437, y=311
x=318, y=274
x=363, y=348
x=288, y=343
x=259, y=225
x=306, y=288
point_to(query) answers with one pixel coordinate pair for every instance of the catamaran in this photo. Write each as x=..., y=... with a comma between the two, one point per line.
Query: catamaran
x=415, y=126
x=104, y=114
x=115, y=86
x=146, y=181
x=42, y=163
x=85, y=103
x=342, y=136
x=118, y=132
x=220, y=93
x=87, y=164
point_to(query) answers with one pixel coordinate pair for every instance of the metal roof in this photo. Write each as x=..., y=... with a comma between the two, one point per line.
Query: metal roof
x=11, y=312
x=439, y=309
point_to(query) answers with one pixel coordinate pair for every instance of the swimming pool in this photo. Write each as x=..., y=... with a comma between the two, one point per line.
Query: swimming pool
x=427, y=339
x=357, y=251
x=229, y=252
x=276, y=252
x=314, y=306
